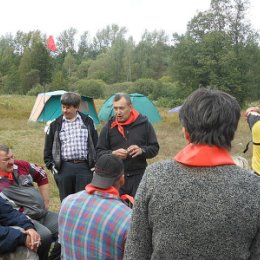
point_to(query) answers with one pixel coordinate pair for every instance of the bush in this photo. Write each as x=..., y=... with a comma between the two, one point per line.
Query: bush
x=90, y=87
x=110, y=90
x=169, y=102
x=36, y=90
x=155, y=89
x=144, y=86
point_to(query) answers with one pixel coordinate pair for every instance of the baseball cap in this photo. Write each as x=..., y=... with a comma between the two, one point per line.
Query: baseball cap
x=108, y=169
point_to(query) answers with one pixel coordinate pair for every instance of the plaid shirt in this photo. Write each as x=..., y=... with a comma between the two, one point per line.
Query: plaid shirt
x=93, y=226
x=74, y=139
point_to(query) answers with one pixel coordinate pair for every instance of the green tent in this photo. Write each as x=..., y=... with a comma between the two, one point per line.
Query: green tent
x=48, y=107
x=140, y=102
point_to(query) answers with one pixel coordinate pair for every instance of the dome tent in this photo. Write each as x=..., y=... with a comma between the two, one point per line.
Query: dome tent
x=140, y=102
x=47, y=107
x=175, y=109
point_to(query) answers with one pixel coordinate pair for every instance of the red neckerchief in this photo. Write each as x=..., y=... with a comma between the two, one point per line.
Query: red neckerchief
x=111, y=190
x=9, y=175
x=204, y=155
x=129, y=200
x=133, y=116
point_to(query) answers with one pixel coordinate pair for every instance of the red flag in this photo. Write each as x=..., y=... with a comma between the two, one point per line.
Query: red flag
x=51, y=44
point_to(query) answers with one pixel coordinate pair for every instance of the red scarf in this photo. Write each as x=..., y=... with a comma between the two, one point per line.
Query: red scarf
x=204, y=155
x=9, y=175
x=133, y=116
x=112, y=190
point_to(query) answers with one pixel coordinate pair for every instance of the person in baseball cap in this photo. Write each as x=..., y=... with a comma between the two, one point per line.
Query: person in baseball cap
x=97, y=215
x=108, y=170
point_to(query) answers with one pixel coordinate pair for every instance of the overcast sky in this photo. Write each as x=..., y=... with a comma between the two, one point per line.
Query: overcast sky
x=52, y=17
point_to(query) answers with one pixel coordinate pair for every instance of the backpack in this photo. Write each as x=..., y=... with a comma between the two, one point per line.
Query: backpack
x=24, y=196
x=27, y=199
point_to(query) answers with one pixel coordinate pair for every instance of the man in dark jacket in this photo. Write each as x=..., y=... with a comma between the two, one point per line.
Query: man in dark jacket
x=16, y=230
x=70, y=147
x=131, y=137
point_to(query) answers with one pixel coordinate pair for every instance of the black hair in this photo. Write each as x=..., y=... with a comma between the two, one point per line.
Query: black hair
x=70, y=99
x=118, y=96
x=210, y=117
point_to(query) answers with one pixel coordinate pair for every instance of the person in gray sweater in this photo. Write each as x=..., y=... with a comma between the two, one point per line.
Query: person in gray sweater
x=199, y=204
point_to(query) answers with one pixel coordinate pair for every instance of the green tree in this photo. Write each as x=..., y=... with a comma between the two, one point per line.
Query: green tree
x=7, y=56
x=100, y=68
x=107, y=36
x=69, y=64
x=120, y=60
x=66, y=40
x=85, y=48
x=24, y=68
x=215, y=49
x=41, y=61
x=59, y=82
x=151, y=56
x=116, y=64
x=82, y=69
x=11, y=83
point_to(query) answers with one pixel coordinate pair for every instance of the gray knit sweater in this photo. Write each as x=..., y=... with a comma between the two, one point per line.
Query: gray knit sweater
x=200, y=213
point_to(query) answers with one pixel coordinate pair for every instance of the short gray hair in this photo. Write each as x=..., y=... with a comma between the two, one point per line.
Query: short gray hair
x=118, y=96
x=4, y=148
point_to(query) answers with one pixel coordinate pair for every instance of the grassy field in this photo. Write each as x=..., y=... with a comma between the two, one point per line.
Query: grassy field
x=27, y=138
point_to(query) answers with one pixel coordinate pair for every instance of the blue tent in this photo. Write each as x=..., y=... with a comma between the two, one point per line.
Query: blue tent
x=140, y=102
x=175, y=109
x=48, y=107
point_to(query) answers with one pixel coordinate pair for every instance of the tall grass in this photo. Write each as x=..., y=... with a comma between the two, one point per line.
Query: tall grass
x=27, y=138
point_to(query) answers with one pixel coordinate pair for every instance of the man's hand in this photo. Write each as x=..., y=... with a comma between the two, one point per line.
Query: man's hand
x=120, y=153
x=54, y=170
x=252, y=109
x=33, y=239
x=134, y=150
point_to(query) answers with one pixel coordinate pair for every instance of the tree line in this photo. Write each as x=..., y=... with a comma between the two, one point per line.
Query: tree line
x=219, y=49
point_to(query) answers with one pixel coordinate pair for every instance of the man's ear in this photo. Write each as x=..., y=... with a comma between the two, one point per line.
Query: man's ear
x=186, y=134
x=121, y=180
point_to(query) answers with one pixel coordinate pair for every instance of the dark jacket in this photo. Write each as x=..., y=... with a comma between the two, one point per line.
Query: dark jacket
x=140, y=133
x=52, y=147
x=10, y=237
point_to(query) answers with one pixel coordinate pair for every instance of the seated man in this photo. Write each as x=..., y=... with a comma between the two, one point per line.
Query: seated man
x=18, y=238
x=16, y=185
x=93, y=223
